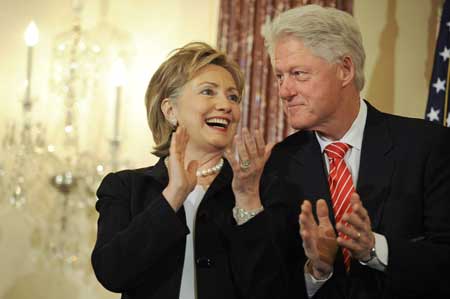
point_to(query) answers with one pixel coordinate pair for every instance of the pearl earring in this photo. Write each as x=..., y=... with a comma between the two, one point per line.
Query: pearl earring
x=173, y=122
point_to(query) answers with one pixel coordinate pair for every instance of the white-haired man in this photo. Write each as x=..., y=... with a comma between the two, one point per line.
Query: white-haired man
x=381, y=228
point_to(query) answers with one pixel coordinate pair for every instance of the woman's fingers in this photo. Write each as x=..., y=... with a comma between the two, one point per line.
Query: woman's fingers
x=260, y=144
x=250, y=151
x=173, y=144
x=250, y=144
x=183, y=141
x=231, y=157
x=242, y=152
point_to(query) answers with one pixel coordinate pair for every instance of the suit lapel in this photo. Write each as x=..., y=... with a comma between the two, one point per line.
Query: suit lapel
x=376, y=165
x=308, y=166
x=309, y=169
x=219, y=199
x=221, y=181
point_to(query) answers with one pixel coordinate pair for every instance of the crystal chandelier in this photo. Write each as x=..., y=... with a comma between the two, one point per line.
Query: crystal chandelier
x=59, y=171
x=82, y=60
x=24, y=140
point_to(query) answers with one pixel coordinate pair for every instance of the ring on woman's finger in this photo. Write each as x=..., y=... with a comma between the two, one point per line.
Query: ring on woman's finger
x=244, y=164
x=358, y=236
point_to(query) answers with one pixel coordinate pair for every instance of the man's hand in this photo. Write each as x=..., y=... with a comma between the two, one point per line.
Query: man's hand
x=319, y=240
x=358, y=229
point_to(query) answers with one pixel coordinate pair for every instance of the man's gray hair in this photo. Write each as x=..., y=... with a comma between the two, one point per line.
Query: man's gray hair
x=328, y=32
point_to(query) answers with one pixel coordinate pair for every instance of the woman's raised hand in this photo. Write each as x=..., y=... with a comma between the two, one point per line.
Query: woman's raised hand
x=247, y=157
x=181, y=180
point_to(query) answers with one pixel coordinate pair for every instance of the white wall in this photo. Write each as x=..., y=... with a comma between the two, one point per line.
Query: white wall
x=399, y=38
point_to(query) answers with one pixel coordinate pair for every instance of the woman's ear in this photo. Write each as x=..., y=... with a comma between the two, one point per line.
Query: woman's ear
x=168, y=110
x=347, y=70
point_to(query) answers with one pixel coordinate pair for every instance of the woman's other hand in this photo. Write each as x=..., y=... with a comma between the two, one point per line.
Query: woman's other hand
x=247, y=157
x=182, y=180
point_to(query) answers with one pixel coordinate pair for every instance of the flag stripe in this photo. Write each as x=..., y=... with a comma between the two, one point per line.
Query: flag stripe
x=445, y=116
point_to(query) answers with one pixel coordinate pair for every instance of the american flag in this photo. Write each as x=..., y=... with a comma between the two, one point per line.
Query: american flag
x=437, y=106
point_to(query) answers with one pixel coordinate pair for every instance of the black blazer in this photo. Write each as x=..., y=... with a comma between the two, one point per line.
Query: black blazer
x=404, y=183
x=141, y=241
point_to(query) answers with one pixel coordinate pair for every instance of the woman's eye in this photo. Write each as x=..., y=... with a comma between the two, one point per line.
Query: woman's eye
x=207, y=91
x=234, y=98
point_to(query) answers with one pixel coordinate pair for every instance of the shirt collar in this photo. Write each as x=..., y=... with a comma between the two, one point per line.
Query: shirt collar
x=354, y=135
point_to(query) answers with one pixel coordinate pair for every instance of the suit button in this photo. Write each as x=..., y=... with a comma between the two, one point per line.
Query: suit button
x=204, y=262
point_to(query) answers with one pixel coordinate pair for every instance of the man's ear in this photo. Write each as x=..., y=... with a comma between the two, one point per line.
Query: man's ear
x=168, y=110
x=347, y=70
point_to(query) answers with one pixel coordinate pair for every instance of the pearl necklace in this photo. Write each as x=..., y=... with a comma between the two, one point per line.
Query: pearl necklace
x=204, y=172
x=208, y=171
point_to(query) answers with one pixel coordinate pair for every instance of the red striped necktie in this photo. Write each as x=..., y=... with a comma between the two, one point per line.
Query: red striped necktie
x=341, y=186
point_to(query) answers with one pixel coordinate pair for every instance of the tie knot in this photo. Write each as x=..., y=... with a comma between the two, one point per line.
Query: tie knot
x=336, y=150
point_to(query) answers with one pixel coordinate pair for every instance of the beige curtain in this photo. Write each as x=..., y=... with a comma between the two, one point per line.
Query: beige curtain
x=240, y=23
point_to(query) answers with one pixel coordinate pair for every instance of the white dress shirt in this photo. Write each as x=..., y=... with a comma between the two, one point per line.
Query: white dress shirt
x=353, y=137
x=188, y=288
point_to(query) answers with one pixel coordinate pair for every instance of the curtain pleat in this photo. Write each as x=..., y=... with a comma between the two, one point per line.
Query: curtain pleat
x=239, y=35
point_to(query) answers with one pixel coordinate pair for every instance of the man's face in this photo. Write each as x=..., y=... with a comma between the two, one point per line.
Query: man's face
x=309, y=86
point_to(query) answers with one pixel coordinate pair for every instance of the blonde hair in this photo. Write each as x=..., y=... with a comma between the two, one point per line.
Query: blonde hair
x=167, y=82
x=328, y=32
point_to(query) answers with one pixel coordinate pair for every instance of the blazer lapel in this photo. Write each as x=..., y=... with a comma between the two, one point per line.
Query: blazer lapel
x=309, y=168
x=221, y=181
x=218, y=200
x=376, y=165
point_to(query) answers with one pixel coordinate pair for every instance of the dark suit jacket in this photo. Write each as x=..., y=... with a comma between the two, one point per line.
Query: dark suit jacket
x=141, y=241
x=404, y=183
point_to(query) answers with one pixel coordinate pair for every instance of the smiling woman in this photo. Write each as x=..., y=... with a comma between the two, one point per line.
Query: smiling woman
x=209, y=109
x=174, y=76
x=193, y=225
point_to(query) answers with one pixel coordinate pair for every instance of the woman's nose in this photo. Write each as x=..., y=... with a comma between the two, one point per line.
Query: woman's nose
x=223, y=104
